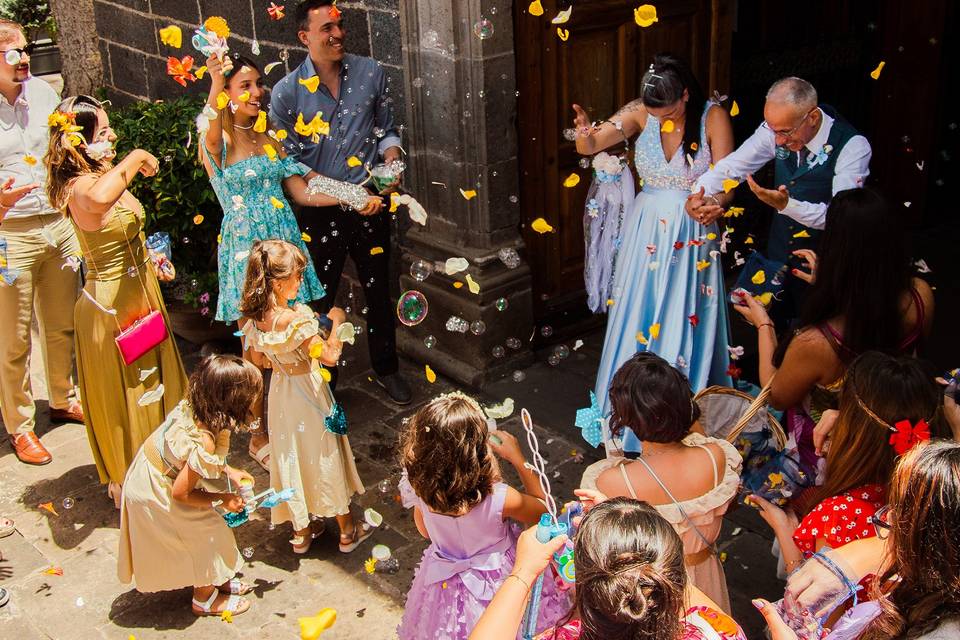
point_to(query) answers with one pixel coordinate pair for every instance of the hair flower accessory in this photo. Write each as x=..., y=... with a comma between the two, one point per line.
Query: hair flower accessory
x=66, y=122
x=906, y=435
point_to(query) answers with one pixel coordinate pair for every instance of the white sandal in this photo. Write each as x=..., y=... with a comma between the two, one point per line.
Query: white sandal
x=234, y=604
x=260, y=456
x=235, y=587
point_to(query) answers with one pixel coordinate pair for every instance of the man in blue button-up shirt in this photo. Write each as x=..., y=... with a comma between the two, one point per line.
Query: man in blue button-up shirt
x=350, y=93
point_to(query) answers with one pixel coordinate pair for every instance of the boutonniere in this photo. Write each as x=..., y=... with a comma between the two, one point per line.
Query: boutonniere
x=821, y=156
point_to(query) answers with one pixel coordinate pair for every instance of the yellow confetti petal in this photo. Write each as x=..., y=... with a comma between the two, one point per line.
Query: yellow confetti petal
x=353, y=161
x=325, y=374
x=535, y=8
x=277, y=204
x=467, y=195
x=641, y=339
x=311, y=83
x=729, y=183
x=370, y=565
x=218, y=25
x=305, y=237
x=472, y=285
x=563, y=34
x=702, y=264
x=645, y=15
x=198, y=219
x=375, y=251
x=431, y=376
x=572, y=180
x=30, y=160
x=711, y=236
x=801, y=234
x=222, y=100
x=261, y=124
x=875, y=74
x=227, y=616
x=394, y=202
x=655, y=331
x=172, y=36
x=316, y=349
x=759, y=277
x=219, y=238
x=734, y=109
x=563, y=16
x=244, y=97
x=200, y=71
x=281, y=134
x=541, y=226
x=610, y=302
x=749, y=240
x=48, y=506
x=733, y=212
x=270, y=151
x=457, y=285
x=667, y=126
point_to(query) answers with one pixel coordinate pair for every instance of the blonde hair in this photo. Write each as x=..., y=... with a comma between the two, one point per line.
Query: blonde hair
x=66, y=160
x=270, y=261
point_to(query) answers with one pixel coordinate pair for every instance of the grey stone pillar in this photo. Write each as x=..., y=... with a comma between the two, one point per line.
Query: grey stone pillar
x=461, y=104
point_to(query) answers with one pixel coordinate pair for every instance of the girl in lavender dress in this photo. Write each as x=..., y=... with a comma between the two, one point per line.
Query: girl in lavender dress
x=668, y=295
x=460, y=503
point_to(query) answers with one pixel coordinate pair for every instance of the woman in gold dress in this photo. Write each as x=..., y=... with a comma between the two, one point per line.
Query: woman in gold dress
x=122, y=403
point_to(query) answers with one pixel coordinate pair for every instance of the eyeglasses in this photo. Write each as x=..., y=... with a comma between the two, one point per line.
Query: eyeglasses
x=13, y=57
x=879, y=522
x=789, y=132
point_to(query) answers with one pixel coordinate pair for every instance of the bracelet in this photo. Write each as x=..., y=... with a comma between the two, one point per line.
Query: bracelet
x=766, y=324
x=521, y=580
x=838, y=572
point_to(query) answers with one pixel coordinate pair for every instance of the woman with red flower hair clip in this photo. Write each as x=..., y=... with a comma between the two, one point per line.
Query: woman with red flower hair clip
x=888, y=405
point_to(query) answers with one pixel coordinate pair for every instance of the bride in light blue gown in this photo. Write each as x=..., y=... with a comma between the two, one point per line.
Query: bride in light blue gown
x=668, y=293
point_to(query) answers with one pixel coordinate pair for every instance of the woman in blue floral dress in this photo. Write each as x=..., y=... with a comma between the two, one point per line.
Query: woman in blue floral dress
x=249, y=171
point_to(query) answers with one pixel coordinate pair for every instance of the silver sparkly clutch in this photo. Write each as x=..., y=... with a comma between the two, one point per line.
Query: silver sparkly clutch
x=352, y=195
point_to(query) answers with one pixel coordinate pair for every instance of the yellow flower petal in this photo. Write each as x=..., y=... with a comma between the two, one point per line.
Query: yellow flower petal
x=563, y=34
x=610, y=302
x=733, y=212
x=468, y=195
x=749, y=240
x=375, y=251
x=563, y=16
x=642, y=340
x=729, y=183
x=311, y=83
x=172, y=36
x=222, y=100
x=734, y=109
x=200, y=71
x=370, y=565
x=711, y=236
x=261, y=124
x=197, y=219
x=270, y=151
x=702, y=264
x=431, y=376
x=353, y=161
x=472, y=285
x=457, y=285
x=535, y=8
x=655, y=331
x=218, y=25
x=305, y=237
x=667, y=126
x=227, y=616
x=645, y=15
x=30, y=160
x=281, y=134
x=875, y=74
x=541, y=226
x=801, y=234
x=394, y=202
x=325, y=374
x=764, y=298
x=316, y=349
x=759, y=277
x=219, y=238
x=572, y=180
x=277, y=204
x=243, y=97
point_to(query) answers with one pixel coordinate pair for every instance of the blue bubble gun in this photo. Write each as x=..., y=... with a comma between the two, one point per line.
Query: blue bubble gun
x=546, y=531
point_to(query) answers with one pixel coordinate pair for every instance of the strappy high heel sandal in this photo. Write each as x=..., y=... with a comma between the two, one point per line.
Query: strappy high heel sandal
x=301, y=543
x=349, y=542
x=235, y=605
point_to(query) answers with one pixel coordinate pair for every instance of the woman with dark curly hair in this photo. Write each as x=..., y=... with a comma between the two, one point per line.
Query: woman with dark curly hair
x=460, y=503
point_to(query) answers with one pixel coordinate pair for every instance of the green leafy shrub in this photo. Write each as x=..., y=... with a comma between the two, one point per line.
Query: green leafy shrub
x=179, y=192
x=33, y=15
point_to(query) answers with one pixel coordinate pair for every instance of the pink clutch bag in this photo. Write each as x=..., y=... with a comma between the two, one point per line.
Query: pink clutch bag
x=142, y=336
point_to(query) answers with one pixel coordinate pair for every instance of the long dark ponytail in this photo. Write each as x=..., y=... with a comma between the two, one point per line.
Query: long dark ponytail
x=664, y=83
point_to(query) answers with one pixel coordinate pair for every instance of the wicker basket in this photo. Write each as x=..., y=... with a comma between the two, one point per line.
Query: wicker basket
x=726, y=413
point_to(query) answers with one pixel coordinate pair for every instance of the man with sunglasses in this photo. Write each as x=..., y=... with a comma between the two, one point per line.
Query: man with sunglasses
x=37, y=248
x=816, y=154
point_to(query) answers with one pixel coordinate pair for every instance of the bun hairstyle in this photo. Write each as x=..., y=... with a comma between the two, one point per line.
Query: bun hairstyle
x=64, y=159
x=630, y=573
x=652, y=398
x=444, y=450
x=222, y=391
x=664, y=83
x=269, y=262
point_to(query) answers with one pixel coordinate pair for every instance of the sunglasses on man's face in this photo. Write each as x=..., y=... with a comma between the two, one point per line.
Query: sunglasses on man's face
x=13, y=57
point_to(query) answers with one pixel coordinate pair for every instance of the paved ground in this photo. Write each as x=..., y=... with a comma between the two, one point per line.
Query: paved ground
x=88, y=602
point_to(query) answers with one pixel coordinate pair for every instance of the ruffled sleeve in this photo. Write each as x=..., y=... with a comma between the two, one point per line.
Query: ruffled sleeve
x=184, y=439
x=305, y=325
x=408, y=497
x=840, y=519
x=290, y=166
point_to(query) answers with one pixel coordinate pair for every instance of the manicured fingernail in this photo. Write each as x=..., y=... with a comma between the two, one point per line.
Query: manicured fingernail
x=805, y=612
x=758, y=603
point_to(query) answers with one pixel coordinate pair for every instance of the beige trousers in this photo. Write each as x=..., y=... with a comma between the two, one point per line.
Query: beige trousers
x=37, y=248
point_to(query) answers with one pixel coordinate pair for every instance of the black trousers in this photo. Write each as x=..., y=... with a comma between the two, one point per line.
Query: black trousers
x=349, y=233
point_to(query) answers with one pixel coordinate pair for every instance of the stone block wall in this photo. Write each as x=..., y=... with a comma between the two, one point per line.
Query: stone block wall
x=134, y=59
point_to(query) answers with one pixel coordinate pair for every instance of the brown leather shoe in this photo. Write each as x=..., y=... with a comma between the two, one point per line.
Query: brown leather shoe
x=29, y=449
x=73, y=413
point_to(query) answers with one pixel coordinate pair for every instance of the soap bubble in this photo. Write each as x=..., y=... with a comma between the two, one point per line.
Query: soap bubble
x=477, y=327
x=554, y=359
x=417, y=82
x=519, y=376
x=68, y=503
x=420, y=270
x=570, y=134
x=483, y=28
x=390, y=566
x=457, y=324
x=247, y=552
x=562, y=351
x=514, y=199
x=412, y=308
x=546, y=331
x=284, y=55
x=501, y=304
x=499, y=351
x=385, y=486
x=509, y=257
x=584, y=163
x=429, y=342
x=514, y=343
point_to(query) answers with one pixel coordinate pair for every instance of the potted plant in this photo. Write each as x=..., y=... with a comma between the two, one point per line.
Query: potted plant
x=41, y=30
x=180, y=201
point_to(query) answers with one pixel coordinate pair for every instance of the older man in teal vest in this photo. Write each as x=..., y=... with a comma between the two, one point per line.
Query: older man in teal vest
x=816, y=154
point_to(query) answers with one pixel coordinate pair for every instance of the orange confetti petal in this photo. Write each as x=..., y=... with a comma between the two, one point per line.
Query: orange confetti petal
x=431, y=376
x=875, y=74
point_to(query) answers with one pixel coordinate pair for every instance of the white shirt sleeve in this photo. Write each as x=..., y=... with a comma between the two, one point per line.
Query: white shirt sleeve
x=850, y=172
x=756, y=151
